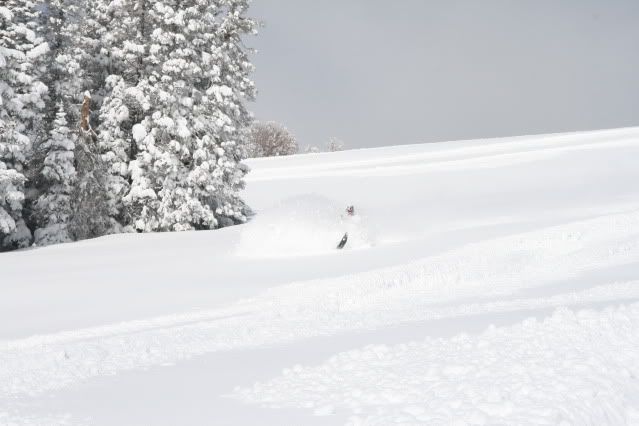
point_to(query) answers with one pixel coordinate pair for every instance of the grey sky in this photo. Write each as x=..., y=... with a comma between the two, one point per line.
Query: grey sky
x=377, y=73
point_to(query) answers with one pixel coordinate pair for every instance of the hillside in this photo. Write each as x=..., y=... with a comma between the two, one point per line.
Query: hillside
x=487, y=282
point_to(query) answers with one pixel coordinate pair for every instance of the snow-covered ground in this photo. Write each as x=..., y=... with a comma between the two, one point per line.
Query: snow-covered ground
x=484, y=282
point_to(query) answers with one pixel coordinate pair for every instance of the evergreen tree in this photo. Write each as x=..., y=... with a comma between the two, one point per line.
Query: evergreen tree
x=21, y=103
x=53, y=208
x=169, y=80
x=235, y=70
x=84, y=61
x=125, y=104
x=50, y=25
x=185, y=77
x=117, y=147
x=79, y=66
x=90, y=217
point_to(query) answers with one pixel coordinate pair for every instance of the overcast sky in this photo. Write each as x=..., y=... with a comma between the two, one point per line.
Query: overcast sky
x=376, y=73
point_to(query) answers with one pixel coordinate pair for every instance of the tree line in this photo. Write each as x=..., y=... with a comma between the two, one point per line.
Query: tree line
x=121, y=116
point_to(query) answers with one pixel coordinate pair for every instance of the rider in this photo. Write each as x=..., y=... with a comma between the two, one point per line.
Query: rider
x=350, y=211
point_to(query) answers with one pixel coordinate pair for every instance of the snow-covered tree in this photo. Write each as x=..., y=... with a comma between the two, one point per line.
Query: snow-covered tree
x=77, y=64
x=21, y=103
x=270, y=139
x=77, y=61
x=334, y=144
x=177, y=112
x=54, y=207
x=117, y=143
x=235, y=70
x=90, y=217
x=168, y=80
x=81, y=55
x=50, y=26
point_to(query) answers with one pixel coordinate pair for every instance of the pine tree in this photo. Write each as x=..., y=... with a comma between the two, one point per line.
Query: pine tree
x=124, y=105
x=235, y=70
x=21, y=103
x=117, y=146
x=184, y=78
x=53, y=208
x=80, y=66
x=50, y=24
x=90, y=217
x=84, y=61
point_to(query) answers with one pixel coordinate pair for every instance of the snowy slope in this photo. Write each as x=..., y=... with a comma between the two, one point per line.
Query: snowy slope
x=426, y=317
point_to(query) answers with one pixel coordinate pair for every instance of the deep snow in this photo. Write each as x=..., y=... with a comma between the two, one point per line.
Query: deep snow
x=308, y=224
x=424, y=318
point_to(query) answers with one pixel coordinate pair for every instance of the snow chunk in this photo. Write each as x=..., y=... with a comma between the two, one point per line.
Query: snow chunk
x=165, y=122
x=122, y=114
x=38, y=51
x=182, y=129
x=138, y=95
x=6, y=13
x=139, y=132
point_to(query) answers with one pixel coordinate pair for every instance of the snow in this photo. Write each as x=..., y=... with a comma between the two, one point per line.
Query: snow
x=484, y=282
x=570, y=368
x=303, y=225
x=6, y=13
x=139, y=132
x=38, y=51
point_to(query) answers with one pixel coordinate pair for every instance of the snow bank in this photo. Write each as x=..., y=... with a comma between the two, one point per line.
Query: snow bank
x=303, y=225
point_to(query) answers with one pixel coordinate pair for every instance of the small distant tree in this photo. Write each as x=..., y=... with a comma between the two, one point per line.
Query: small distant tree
x=334, y=144
x=311, y=149
x=271, y=139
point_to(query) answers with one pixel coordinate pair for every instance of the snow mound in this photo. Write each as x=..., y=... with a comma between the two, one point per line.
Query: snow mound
x=303, y=225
